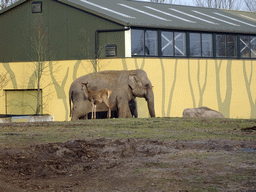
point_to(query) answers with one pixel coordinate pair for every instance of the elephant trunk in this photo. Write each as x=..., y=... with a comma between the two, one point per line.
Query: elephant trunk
x=150, y=100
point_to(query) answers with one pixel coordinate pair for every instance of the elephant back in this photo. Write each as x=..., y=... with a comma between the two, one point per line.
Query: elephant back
x=104, y=79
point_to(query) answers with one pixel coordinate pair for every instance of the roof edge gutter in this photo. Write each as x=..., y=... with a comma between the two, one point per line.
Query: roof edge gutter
x=105, y=31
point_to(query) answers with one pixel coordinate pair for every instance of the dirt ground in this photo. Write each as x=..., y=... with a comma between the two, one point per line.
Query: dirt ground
x=130, y=165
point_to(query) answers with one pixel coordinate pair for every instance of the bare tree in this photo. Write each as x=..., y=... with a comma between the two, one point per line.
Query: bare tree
x=4, y=79
x=6, y=3
x=88, y=51
x=219, y=4
x=43, y=55
x=250, y=5
x=158, y=1
x=163, y=1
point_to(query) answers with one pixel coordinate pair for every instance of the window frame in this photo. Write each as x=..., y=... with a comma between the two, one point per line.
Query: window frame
x=144, y=38
x=250, y=46
x=187, y=44
x=226, y=46
x=201, y=45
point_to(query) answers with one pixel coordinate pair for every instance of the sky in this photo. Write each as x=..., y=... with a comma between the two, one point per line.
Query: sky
x=187, y=2
x=191, y=2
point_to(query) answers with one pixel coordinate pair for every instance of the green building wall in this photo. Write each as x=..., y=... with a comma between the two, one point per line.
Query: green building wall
x=70, y=32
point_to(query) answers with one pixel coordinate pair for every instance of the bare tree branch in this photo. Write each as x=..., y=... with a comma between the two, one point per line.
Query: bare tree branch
x=219, y=4
x=250, y=5
x=6, y=3
x=4, y=79
x=43, y=54
x=162, y=1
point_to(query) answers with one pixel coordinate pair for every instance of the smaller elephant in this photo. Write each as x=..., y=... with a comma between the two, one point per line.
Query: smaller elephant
x=201, y=112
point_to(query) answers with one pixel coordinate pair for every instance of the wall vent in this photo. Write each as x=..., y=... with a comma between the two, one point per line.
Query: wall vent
x=111, y=50
x=36, y=7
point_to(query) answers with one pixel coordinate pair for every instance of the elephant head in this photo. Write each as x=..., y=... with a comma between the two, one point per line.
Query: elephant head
x=141, y=86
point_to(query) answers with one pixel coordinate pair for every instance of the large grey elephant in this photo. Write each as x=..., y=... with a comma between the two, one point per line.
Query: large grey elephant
x=201, y=112
x=125, y=86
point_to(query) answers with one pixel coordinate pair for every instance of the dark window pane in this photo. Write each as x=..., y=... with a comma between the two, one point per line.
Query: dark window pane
x=220, y=45
x=151, y=43
x=167, y=43
x=245, y=46
x=206, y=45
x=231, y=46
x=137, y=42
x=253, y=46
x=195, y=44
x=179, y=44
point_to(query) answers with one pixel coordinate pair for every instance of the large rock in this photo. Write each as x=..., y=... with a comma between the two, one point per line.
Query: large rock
x=201, y=112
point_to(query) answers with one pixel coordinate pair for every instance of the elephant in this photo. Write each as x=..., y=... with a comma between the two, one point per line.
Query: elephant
x=114, y=113
x=125, y=85
x=201, y=112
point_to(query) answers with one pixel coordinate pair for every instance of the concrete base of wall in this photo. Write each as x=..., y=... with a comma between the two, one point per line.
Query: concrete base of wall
x=26, y=119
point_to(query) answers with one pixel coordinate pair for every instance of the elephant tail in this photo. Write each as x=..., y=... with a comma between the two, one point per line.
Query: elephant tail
x=70, y=98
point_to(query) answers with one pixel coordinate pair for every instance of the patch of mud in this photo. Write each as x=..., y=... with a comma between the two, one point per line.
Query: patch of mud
x=103, y=164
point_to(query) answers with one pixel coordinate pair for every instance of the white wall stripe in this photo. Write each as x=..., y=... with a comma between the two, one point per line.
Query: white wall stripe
x=107, y=9
x=144, y=12
x=234, y=19
x=215, y=18
x=193, y=16
x=248, y=17
x=171, y=15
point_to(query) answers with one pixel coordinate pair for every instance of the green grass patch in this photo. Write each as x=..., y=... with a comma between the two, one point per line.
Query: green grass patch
x=166, y=129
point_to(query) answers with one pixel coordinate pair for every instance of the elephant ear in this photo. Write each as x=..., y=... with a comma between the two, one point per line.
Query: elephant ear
x=132, y=80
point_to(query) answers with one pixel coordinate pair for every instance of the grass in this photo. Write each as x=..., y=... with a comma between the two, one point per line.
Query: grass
x=192, y=170
x=167, y=129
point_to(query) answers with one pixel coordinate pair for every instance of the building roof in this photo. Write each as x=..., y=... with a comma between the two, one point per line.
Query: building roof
x=168, y=16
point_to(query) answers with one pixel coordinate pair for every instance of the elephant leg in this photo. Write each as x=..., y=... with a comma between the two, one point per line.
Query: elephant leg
x=106, y=101
x=133, y=108
x=124, y=109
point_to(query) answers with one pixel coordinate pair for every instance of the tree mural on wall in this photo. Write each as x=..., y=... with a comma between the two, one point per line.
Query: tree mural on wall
x=248, y=85
x=224, y=104
x=163, y=88
x=172, y=88
x=12, y=74
x=60, y=88
x=200, y=88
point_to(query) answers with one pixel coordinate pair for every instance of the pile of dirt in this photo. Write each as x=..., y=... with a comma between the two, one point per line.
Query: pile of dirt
x=97, y=164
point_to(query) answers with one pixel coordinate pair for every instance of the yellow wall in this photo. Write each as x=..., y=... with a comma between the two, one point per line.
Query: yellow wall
x=228, y=86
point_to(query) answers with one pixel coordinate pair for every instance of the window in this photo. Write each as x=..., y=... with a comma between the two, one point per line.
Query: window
x=195, y=44
x=200, y=45
x=248, y=46
x=231, y=46
x=179, y=44
x=144, y=42
x=173, y=43
x=226, y=46
x=137, y=42
x=220, y=45
x=22, y=102
x=253, y=46
x=167, y=43
x=150, y=43
x=207, y=45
